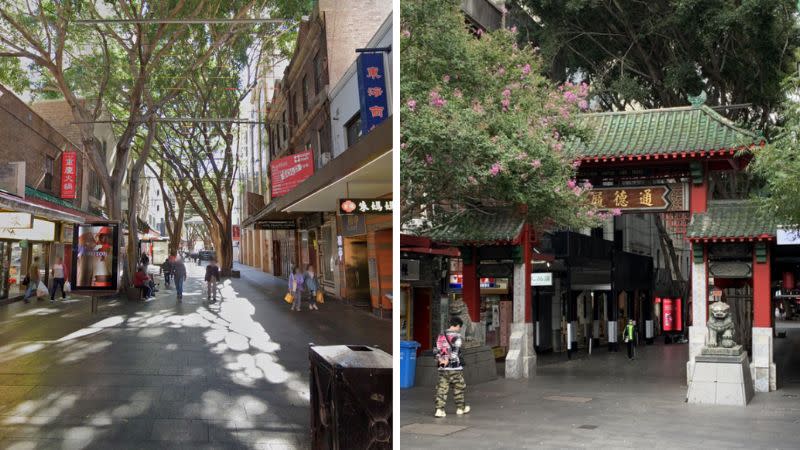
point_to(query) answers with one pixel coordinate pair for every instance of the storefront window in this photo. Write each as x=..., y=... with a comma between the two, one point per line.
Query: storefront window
x=15, y=274
x=327, y=254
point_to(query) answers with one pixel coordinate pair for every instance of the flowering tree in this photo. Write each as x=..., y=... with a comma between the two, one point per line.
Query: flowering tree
x=480, y=126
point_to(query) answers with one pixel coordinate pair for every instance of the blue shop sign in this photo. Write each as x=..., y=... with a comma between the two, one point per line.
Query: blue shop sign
x=372, y=91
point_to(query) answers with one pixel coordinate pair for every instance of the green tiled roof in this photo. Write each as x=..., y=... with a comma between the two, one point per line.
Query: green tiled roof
x=731, y=219
x=31, y=192
x=498, y=226
x=659, y=131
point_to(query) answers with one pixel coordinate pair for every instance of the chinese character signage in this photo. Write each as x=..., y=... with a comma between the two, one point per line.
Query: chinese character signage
x=365, y=206
x=69, y=175
x=631, y=198
x=95, y=251
x=372, y=91
x=288, y=172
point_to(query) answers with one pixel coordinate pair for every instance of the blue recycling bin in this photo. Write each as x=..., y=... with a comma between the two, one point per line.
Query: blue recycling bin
x=408, y=363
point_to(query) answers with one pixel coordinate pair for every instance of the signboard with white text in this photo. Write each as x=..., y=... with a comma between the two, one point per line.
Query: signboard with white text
x=288, y=172
x=541, y=279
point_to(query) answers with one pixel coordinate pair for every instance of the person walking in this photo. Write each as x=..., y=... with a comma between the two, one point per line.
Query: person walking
x=57, y=273
x=166, y=270
x=311, y=284
x=34, y=277
x=212, y=277
x=451, y=370
x=179, y=274
x=296, y=283
x=629, y=337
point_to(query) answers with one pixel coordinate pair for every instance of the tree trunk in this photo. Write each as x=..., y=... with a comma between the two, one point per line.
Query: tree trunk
x=177, y=229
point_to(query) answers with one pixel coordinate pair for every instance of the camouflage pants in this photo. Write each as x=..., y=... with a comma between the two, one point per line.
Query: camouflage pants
x=446, y=379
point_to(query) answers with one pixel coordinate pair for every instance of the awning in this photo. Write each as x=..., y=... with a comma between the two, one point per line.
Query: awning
x=363, y=170
x=38, y=208
x=420, y=244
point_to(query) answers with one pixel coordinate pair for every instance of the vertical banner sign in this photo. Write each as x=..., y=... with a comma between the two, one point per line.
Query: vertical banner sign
x=95, y=257
x=290, y=171
x=69, y=175
x=372, y=91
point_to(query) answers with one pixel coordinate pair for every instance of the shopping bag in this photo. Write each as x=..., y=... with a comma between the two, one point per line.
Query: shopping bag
x=41, y=290
x=67, y=287
x=289, y=297
x=320, y=297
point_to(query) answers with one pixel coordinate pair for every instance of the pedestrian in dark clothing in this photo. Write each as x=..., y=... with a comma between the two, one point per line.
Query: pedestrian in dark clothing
x=58, y=280
x=451, y=370
x=212, y=277
x=179, y=273
x=166, y=269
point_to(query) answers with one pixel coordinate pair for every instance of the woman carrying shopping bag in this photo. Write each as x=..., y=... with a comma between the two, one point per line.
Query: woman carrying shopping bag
x=296, y=288
x=312, y=286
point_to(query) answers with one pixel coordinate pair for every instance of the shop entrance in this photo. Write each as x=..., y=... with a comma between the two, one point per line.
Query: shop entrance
x=277, y=267
x=357, y=271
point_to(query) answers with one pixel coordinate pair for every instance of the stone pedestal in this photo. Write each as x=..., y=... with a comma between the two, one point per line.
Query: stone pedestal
x=697, y=339
x=721, y=380
x=479, y=367
x=762, y=368
x=521, y=358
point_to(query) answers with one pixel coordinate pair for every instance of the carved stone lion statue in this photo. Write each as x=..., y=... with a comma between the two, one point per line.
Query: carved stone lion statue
x=458, y=308
x=720, y=326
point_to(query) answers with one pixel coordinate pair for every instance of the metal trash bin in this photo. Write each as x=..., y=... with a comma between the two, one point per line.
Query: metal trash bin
x=351, y=397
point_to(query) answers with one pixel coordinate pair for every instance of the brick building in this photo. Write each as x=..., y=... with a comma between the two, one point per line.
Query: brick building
x=31, y=156
x=299, y=132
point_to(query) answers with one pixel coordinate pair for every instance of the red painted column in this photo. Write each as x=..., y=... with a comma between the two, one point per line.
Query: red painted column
x=471, y=289
x=527, y=238
x=698, y=194
x=761, y=292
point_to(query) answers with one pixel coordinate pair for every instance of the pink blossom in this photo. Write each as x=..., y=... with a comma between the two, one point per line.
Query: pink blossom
x=571, y=184
x=558, y=146
x=446, y=78
x=584, y=90
x=505, y=102
x=521, y=156
x=577, y=190
x=501, y=71
x=477, y=107
x=590, y=213
x=429, y=159
x=406, y=33
x=583, y=105
x=616, y=212
x=536, y=163
x=526, y=69
x=480, y=32
x=587, y=185
x=472, y=180
x=412, y=104
x=514, y=29
x=436, y=99
x=506, y=92
x=570, y=96
x=403, y=145
x=564, y=112
x=496, y=168
x=457, y=93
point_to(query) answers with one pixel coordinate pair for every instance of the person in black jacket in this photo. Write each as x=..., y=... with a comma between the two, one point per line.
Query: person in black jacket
x=212, y=277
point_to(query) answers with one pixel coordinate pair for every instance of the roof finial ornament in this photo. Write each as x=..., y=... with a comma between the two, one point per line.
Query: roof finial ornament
x=698, y=100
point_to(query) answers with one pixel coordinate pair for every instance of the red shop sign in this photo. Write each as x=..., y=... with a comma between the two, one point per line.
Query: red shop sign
x=69, y=175
x=290, y=171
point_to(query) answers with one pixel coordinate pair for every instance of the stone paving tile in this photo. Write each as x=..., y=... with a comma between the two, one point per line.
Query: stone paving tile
x=180, y=430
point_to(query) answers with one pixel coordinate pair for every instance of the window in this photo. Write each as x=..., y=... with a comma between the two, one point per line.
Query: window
x=305, y=94
x=318, y=71
x=285, y=133
x=48, y=172
x=353, y=129
x=293, y=110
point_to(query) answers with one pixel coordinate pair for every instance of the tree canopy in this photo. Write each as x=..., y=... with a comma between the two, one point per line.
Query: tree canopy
x=480, y=126
x=658, y=53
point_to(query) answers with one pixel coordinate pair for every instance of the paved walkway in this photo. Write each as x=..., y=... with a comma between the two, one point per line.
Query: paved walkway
x=606, y=401
x=232, y=374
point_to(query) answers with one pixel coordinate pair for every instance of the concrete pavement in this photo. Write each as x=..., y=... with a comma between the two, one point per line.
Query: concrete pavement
x=231, y=374
x=606, y=401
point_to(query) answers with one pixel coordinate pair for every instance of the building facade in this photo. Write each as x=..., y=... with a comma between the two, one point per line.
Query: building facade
x=298, y=224
x=43, y=194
